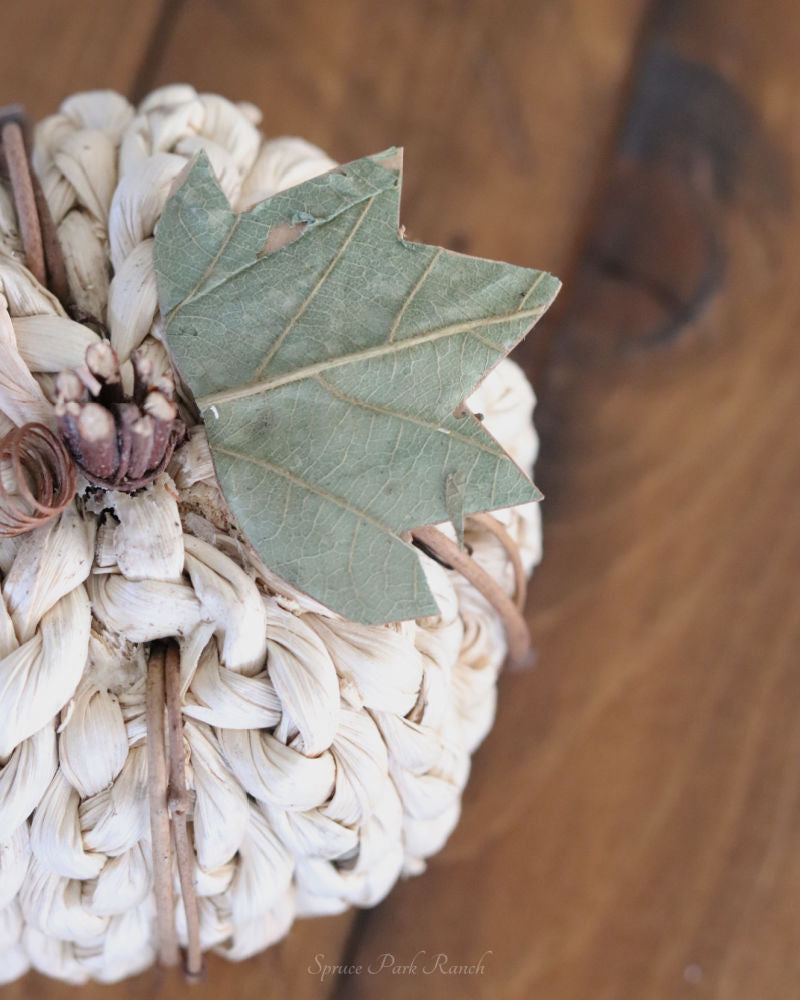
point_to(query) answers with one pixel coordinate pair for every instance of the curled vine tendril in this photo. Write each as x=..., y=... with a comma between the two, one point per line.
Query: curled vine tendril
x=38, y=478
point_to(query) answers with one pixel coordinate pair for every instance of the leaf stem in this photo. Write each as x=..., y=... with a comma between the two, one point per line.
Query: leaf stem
x=520, y=653
x=492, y=525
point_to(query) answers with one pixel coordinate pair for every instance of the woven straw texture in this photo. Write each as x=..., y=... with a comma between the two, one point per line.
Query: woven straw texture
x=324, y=759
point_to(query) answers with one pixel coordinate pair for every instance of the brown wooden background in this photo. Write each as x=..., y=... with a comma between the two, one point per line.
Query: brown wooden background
x=632, y=827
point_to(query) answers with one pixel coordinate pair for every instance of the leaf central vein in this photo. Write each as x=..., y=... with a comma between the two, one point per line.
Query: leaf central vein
x=368, y=354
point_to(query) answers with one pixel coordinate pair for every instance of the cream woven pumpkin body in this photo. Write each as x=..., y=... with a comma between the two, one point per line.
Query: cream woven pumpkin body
x=324, y=758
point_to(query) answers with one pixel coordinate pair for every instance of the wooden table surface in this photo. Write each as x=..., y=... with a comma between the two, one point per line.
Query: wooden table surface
x=632, y=826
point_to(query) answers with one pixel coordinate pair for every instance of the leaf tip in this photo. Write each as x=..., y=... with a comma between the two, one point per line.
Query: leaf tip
x=391, y=159
x=199, y=163
x=552, y=286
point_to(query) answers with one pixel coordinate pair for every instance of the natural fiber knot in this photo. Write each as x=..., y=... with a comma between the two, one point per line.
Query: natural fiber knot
x=120, y=441
x=44, y=479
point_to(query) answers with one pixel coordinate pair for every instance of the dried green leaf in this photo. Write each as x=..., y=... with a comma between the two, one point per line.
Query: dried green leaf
x=328, y=356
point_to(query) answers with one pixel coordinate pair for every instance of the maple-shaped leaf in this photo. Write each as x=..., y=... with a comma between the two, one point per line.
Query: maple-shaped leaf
x=329, y=358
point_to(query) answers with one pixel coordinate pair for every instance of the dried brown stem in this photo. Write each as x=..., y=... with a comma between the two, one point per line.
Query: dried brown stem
x=491, y=524
x=94, y=386
x=97, y=435
x=159, y=816
x=19, y=173
x=163, y=413
x=128, y=415
x=39, y=219
x=102, y=362
x=141, y=447
x=67, y=415
x=142, y=377
x=57, y=279
x=165, y=384
x=520, y=653
x=178, y=805
x=146, y=427
x=69, y=388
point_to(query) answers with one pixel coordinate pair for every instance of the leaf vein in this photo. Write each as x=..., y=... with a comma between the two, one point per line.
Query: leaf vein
x=410, y=418
x=409, y=298
x=368, y=354
x=212, y=263
x=298, y=481
x=310, y=297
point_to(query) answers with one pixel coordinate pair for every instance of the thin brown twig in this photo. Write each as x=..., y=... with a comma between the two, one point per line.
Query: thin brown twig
x=57, y=280
x=512, y=550
x=178, y=804
x=159, y=815
x=520, y=653
x=39, y=219
x=19, y=173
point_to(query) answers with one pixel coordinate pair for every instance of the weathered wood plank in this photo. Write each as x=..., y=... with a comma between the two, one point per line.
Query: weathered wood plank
x=629, y=829
x=503, y=107
x=631, y=826
x=51, y=50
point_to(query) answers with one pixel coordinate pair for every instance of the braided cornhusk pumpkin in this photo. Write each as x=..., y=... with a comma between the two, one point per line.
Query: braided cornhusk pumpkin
x=323, y=758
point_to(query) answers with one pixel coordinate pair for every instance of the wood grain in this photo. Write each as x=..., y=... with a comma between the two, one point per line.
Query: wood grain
x=630, y=830
x=630, y=826
x=504, y=107
x=51, y=50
